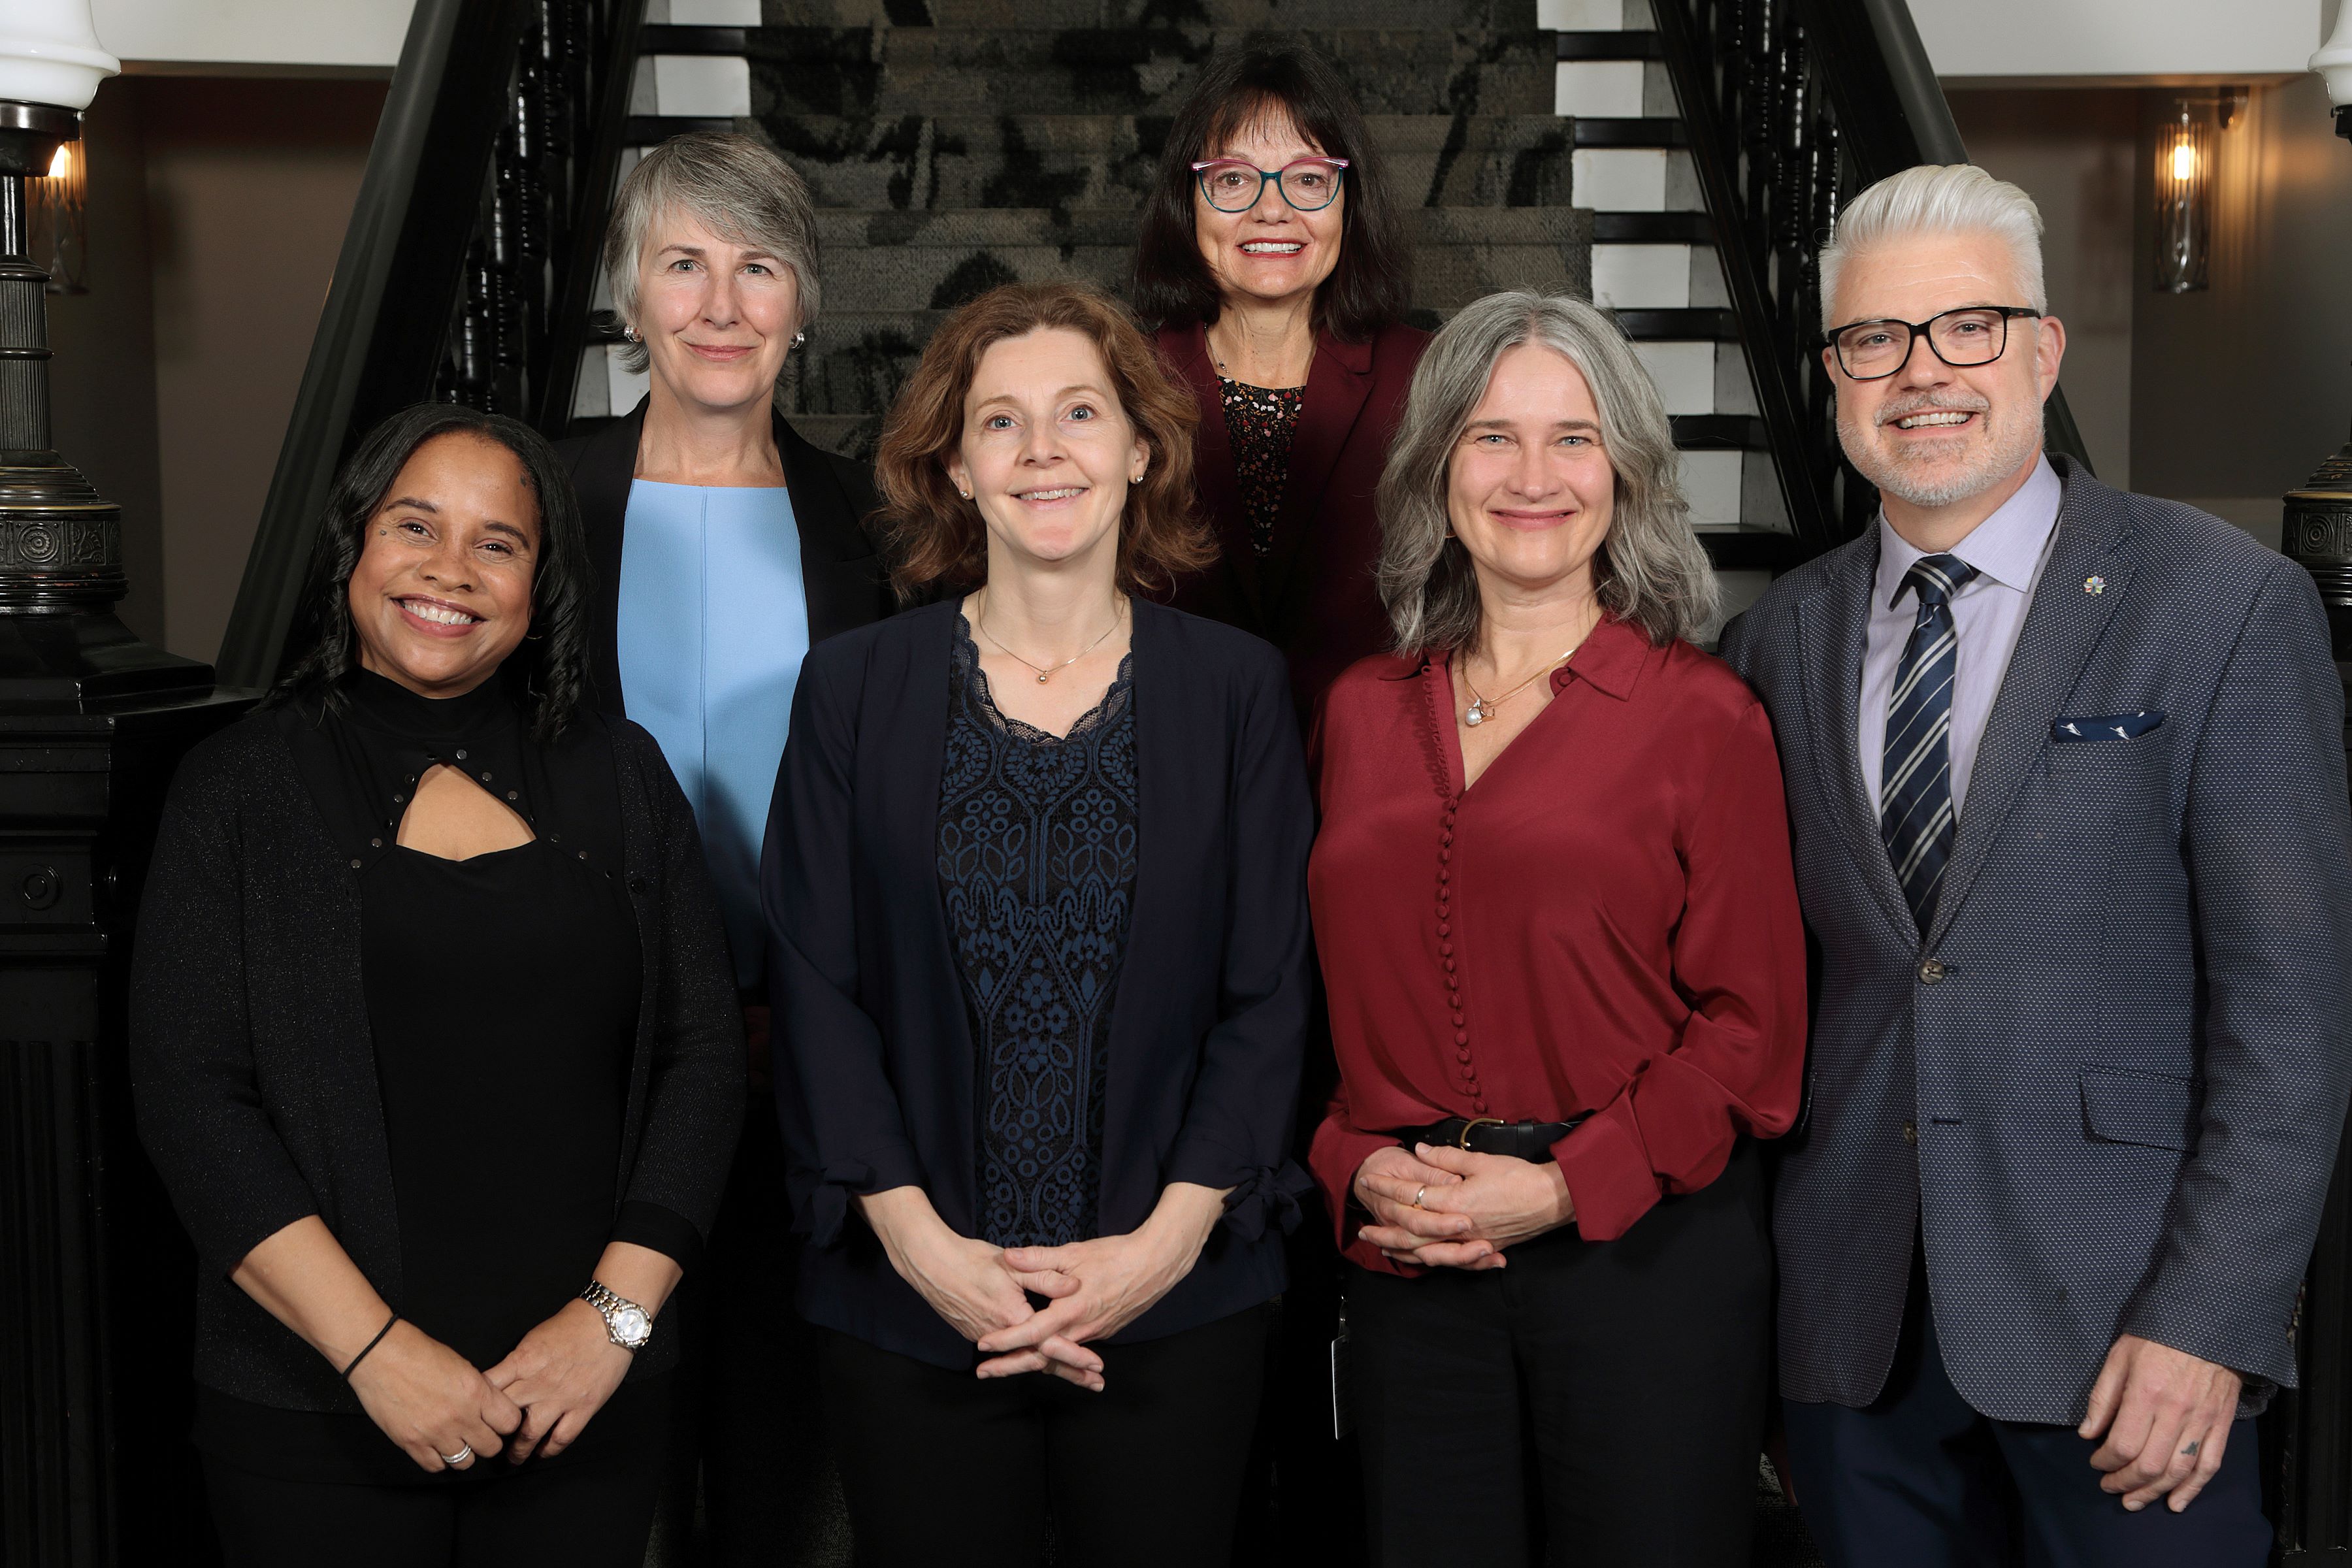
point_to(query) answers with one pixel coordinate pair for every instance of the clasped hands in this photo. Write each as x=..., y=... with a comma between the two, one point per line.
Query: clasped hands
x=434, y=1402
x=1437, y=1208
x=1092, y=1289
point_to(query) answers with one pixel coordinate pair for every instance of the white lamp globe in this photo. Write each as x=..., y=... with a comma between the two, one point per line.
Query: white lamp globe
x=49, y=53
x=2333, y=61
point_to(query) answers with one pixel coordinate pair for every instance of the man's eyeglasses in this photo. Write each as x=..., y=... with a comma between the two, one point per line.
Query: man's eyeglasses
x=1309, y=185
x=1974, y=335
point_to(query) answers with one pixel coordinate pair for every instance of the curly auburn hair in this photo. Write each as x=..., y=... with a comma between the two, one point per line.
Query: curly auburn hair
x=936, y=539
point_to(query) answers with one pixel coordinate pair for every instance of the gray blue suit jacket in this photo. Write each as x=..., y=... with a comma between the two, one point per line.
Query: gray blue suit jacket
x=2110, y=1081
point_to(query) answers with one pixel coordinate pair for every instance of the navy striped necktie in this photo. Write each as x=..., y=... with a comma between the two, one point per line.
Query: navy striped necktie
x=1916, y=790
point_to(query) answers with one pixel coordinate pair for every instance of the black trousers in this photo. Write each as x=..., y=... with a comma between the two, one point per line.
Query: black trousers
x=770, y=1496
x=593, y=1515
x=940, y=1466
x=1594, y=1404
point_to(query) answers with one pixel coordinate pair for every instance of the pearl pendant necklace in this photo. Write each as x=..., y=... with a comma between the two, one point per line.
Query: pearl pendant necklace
x=1481, y=709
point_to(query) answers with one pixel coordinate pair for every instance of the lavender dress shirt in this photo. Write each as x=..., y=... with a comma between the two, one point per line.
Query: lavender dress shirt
x=2008, y=550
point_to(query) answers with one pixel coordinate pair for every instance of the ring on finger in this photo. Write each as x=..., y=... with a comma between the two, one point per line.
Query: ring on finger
x=463, y=1453
x=1419, y=1194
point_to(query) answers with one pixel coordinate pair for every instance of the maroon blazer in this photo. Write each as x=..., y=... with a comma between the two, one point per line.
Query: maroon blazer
x=1313, y=596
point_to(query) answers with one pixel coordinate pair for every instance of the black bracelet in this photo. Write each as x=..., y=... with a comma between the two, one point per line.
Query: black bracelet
x=371, y=1346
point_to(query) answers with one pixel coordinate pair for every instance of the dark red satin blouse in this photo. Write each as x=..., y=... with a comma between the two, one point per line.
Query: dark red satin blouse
x=1606, y=921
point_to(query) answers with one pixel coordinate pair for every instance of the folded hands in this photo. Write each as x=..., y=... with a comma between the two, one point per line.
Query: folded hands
x=1447, y=1208
x=1092, y=1289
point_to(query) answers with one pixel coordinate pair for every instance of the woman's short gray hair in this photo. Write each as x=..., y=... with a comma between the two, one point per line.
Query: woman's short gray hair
x=1938, y=199
x=738, y=188
x=1650, y=569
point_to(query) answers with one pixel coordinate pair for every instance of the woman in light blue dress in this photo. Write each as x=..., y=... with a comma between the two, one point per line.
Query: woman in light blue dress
x=725, y=545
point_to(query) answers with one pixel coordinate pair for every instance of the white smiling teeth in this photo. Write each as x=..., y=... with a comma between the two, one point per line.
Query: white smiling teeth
x=1271, y=248
x=439, y=615
x=1917, y=421
x=1046, y=495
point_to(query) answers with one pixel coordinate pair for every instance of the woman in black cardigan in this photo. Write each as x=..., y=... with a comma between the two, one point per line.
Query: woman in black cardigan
x=1037, y=944
x=435, y=1044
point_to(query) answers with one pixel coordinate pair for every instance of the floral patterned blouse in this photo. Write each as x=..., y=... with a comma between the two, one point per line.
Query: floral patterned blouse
x=1260, y=421
x=1037, y=866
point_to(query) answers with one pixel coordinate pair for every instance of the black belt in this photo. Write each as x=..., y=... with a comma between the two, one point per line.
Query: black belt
x=1492, y=1135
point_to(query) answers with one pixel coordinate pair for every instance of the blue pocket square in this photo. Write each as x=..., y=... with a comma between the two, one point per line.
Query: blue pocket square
x=2106, y=726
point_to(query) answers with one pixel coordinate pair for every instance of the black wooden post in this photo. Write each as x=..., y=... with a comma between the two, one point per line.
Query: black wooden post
x=95, y=1468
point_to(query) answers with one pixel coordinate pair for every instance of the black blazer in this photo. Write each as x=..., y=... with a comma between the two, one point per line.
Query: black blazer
x=254, y=1066
x=874, y=1058
x=833, y=496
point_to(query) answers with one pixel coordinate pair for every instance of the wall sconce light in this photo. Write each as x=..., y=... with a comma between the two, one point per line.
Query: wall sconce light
x=57, y=219
x=2188, y=151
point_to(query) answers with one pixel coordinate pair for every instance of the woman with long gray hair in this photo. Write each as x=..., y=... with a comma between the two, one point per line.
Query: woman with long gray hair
x=1558, y=925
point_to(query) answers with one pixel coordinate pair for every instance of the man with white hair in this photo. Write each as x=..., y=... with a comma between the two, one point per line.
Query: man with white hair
x=2066, y=787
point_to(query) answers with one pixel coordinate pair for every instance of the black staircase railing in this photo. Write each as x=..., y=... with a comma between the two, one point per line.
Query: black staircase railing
x=1792, y=106
x=467, y=271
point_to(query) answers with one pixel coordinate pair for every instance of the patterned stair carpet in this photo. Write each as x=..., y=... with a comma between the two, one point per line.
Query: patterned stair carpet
x=957, y=144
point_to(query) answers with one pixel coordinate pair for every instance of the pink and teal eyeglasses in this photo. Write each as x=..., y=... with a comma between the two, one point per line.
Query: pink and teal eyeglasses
x=1308, y=184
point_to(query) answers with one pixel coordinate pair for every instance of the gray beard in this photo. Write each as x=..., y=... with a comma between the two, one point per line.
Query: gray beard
x=2012, y=443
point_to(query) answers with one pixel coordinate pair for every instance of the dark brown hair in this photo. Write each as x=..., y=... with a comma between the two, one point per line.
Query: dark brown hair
x=547, y=672
x=1372, y=284
x=936, y=538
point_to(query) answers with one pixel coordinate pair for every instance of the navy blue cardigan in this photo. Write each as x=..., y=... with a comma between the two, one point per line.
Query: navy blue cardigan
x=875, y=1079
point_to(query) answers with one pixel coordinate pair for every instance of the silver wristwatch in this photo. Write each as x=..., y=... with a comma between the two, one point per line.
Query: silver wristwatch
x=630, y=1325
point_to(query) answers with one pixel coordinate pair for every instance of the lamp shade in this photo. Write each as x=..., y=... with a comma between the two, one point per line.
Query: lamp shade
x=2333, y=61
x=49, y=53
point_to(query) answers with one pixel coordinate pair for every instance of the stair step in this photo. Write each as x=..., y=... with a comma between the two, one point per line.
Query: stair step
x=905, y=279
x=859, y=229
x=1108, y=161
x=1611, y=89
x=1616, y=46
x=1502, y=16
x=1653, y=228
x=1720, y=432
x=1636, y=179
x=1658, y=276
x=1694, y=325
x=936, y=70
x=1646, y=131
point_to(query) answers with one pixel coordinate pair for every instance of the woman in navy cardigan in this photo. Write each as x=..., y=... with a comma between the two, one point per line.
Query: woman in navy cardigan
x=1034, y=884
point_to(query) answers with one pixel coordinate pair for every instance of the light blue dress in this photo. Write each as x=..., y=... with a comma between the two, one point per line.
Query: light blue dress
x=714, y=624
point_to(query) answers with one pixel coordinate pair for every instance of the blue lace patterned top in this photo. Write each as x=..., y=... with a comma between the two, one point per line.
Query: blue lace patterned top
x=1037, y=850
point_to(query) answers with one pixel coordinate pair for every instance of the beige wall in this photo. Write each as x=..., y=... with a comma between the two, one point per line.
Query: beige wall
x=2239, y=391
x=217, y=207
x=2075, y=150
x=2227, y=398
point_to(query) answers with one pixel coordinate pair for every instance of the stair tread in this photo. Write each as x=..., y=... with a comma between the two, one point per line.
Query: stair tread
x=857, y=228
x=1617, y=46
x=946, y=70
x=1504, y=15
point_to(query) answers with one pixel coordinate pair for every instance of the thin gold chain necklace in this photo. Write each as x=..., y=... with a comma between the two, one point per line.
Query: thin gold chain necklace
x=1481, y=709
x=1046, y=672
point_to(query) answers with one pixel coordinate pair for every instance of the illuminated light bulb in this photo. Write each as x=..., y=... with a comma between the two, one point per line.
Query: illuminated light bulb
x=61, y=165
x=2184, y=162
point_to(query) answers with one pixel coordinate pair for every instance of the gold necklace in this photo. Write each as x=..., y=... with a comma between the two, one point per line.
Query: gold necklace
x=1044, y=672
x=1481, y=709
